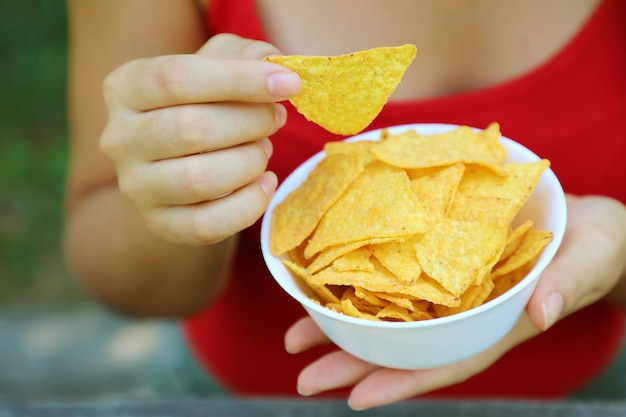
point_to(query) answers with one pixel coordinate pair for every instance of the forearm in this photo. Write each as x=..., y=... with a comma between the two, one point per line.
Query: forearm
x=118, y=261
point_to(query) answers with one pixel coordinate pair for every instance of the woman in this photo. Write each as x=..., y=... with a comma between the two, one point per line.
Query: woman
x=164, y=221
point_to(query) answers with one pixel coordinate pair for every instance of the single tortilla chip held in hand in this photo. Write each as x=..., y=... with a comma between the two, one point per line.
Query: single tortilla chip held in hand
x=345, y=93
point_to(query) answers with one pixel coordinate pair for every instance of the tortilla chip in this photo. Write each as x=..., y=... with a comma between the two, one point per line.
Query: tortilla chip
x=411, y=150
x=356, y=260
x=344, y=93
x=436, y=191
x=299, y=213
x=454, y=252
x=533, y=243
x=378, y=204
x=400, y=258
x=412, y=227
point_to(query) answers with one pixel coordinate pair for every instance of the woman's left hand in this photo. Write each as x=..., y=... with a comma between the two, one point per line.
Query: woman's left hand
x=588, y=266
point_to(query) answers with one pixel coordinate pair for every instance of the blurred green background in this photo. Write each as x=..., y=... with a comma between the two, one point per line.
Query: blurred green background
x=33, y=152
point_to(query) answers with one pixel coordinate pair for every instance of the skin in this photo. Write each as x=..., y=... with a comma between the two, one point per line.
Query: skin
x=169, y=139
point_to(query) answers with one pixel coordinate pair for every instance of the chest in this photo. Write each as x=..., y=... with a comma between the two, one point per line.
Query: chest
x=462, y=44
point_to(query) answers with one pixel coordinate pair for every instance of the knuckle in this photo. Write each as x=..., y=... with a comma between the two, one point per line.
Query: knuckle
x=128, y=187
x=193, y=180
x=256, y=49
x=171, y=75
x=190, y=129
x=111, y=143
x=228, y=45
x=155, y=223
x=257, y=159
x=112, y=86
x=204, y=228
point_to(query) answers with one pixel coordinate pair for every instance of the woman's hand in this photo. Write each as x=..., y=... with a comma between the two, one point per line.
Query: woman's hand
x=187, y=135
x=589, y=264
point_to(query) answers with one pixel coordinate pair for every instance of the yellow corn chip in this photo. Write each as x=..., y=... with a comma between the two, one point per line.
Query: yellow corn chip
x=377, y=204
x=515, y=239
x=356, y=260
x=436, y=191
x=453, y=252
x=344, y=93
x=393, y=312
x=400, y=300
x=412, y=227
x=507, y=281
x=296, y=217
x=323, y=292
x=400, y=258
x=381, y=280
x=411, y=150
x=533, y=243
x=328, y=255
x=370, y=297
x=501, y=195
x=473, y=297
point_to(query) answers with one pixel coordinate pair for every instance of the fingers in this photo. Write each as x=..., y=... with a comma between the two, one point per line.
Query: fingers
x=212, y=221
x=335, y=370
x=187, y=135
x=186, y=130
x=386, y=386
x=230, y=46
x=588, y=263
x=195, y=178
x=151, y=83
x=375, y=386
x=303, y=335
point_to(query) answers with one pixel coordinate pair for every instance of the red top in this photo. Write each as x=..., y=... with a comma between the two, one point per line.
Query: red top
x=571, y=110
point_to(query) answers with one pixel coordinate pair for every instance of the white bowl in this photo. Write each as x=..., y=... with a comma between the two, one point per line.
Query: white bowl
x=440, y=341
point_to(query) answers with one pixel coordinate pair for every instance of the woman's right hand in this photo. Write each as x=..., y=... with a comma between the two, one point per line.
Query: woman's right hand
x=188, y=137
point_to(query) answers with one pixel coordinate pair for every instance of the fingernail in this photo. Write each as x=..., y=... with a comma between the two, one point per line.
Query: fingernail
x=355, y=407
x=303, y=392
x=284, y=84
x=268, y=183
x=280, y=115
x=267, y=147
x=552, y=308
x=292, y=350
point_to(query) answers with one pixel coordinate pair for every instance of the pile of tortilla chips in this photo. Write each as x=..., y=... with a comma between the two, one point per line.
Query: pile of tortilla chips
x=344, y=93
x=411, y=227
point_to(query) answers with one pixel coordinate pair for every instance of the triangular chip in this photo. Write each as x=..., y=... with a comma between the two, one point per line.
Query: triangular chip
x=344, y=93
x=500, y=196
x=532, y=245
x=400, y=259
x=377, y=204
x=472, y=297
x=436, y=191
x=328, y=255
x=356, y=260
x=412, y=150
x=382, y=280
x=454, y=252
x=298, y=214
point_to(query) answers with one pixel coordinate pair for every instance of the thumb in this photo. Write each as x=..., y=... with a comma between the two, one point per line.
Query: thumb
x=229, y=46
x=583, y=270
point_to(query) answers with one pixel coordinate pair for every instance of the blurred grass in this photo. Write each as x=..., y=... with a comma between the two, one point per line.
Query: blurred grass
x=33, y=152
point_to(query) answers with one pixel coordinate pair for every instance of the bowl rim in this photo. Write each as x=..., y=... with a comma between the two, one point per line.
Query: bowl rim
x=545, y=257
